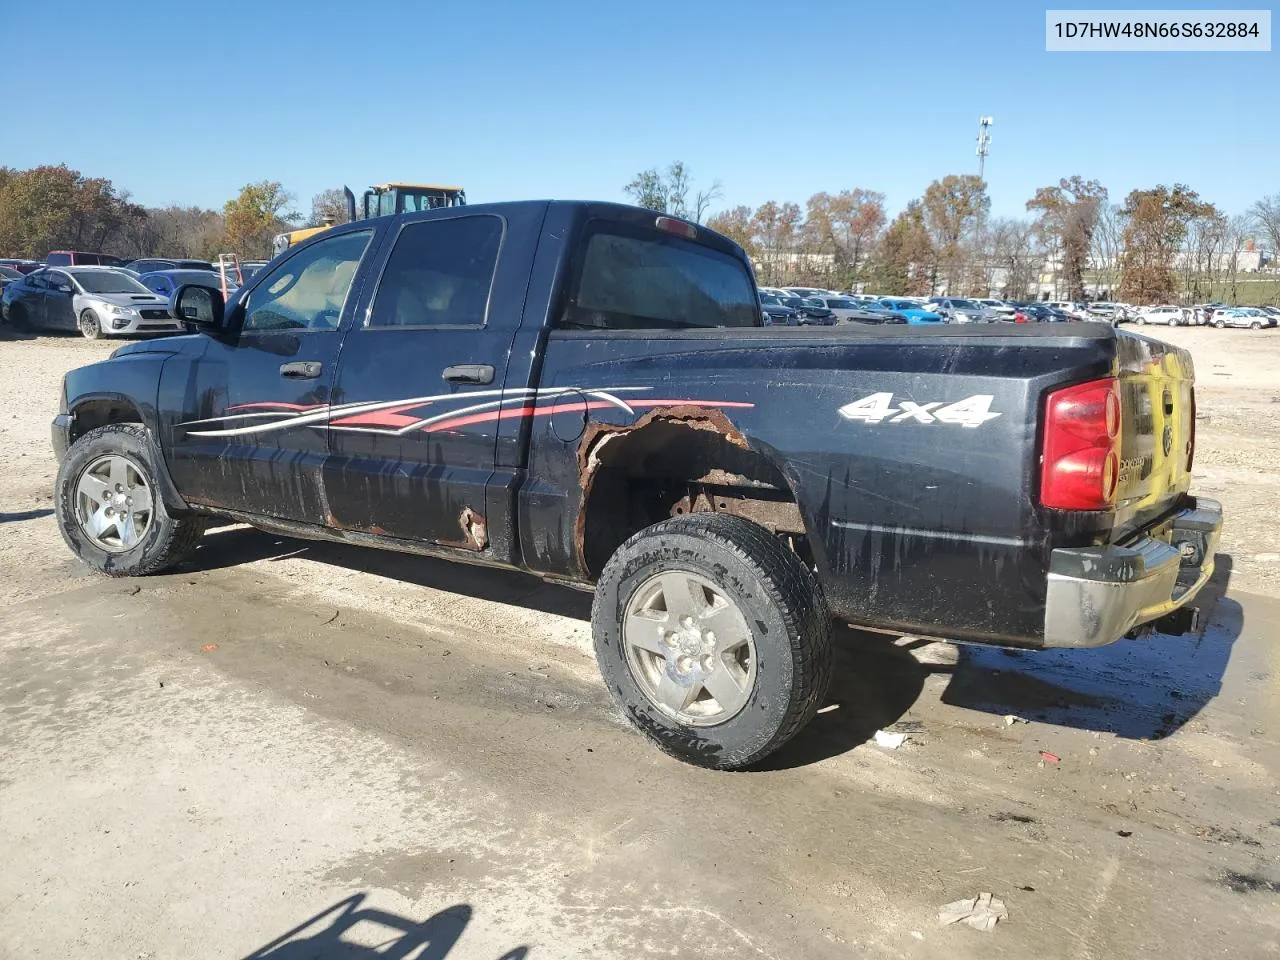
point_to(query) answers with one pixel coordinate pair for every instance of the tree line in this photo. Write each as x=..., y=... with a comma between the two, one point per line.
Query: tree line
x=57, y=208
x=1160, y=243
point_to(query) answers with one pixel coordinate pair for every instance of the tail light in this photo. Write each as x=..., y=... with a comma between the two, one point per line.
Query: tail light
x=1019, y=317
x=1080, y=458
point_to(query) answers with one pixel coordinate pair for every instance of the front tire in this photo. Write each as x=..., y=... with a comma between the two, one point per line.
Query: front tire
x=90, y=327
x=1142, y=321
x=713, y=638
x=1255, y=325
x=18, y=317
x=109, y=506
x=1219, y=324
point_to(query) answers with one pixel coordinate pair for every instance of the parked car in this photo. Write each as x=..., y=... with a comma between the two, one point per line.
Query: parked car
x=1166, y=313
x=1103, y=311
x=1042, y=313
x=723, y=523
x=776, y=313
x=1250, y=317
x=249, y=267
x=80, y=258
x=805, y=293
x=1002, y=307
x=817, y=312
x=805, y=310
x=912, y=310
x=1202, y=314
x=1072, y=308
x=842, y=308
x=22, y=266
x=166, y=282
x=97, y=301
x=960, y=310
x=1273, y=312
x=156, y=264
x=7, y=274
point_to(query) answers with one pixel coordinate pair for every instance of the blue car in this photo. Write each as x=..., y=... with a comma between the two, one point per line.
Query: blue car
x=913, y=311
x=165, y=282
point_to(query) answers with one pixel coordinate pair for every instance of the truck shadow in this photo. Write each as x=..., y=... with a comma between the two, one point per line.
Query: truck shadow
x=1141, y=689
x=232, y=546
x=349, y=930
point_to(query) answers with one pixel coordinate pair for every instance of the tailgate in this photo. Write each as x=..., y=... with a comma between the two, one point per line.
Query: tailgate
x=1157, y=433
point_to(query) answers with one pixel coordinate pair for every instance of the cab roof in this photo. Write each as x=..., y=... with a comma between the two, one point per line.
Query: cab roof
x=396, y=185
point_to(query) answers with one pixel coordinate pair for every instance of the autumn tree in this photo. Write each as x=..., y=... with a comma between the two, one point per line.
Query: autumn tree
x=672, y=191
x=54, y=207
x=953, y=207
x=775, y=228
x=903, y=263
x=846, y=225
x=1068, y=213
x=328, y=206
x=736, y=225
x=1157, y=224
x=260, y=211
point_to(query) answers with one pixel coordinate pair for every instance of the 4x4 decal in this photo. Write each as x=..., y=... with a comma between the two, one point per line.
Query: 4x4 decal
x=972, y=411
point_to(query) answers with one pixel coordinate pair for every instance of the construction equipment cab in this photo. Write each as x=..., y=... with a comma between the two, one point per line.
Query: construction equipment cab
x=380, y=200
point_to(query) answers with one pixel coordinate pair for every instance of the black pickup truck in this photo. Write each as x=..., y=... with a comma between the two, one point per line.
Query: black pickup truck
x=586, y=392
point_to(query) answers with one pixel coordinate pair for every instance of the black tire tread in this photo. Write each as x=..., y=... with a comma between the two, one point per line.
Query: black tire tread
x=186, y=530
x=790, y=585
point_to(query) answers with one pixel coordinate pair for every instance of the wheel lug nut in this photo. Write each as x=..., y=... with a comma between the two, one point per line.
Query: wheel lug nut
x=707, y=664
x=119, y=488
x=669, y=639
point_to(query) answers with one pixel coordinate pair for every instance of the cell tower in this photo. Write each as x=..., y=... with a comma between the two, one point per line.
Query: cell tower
x=984, y=142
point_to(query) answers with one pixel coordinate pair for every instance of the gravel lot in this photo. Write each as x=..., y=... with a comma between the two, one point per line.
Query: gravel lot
x=305, y=750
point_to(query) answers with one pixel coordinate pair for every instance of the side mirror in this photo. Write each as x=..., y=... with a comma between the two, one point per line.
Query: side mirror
x=201, y=307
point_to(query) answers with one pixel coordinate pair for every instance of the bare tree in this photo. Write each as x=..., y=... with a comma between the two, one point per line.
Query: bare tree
x=672, y=192
x=1011, y=256
x=1265, y=216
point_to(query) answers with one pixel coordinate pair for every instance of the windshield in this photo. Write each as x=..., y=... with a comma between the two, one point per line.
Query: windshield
x=794, y=302
x=206, y=278
x=900, y=304
x=769, y=301
x=10, y=274
x=965, y=305
x=106, y=281
x=842, y=304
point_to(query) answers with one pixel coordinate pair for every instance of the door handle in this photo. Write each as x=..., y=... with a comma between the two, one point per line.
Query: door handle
x=301, y=369
x=469, y=373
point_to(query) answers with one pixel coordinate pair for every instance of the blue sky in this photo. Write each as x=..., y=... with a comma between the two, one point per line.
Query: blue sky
x=183, y=103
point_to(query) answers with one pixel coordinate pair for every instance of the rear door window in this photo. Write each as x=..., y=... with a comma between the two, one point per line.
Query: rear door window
x=439, y=274
x=629, y=277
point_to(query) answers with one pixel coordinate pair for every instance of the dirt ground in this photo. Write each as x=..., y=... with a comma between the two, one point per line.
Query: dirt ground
x=287, y=749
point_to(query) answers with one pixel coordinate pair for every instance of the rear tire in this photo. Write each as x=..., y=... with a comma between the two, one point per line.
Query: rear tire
x=1255, y=325
x=152, y=539
x=90, y=327
x=1142, y=321
x=1219, y=324
x=759, y=597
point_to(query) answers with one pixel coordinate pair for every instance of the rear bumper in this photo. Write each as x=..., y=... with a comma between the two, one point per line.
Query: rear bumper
x=1098, y=594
